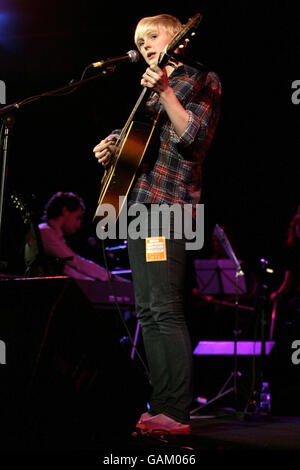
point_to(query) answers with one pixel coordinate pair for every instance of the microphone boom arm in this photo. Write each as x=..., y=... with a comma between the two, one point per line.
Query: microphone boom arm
x=59, y=91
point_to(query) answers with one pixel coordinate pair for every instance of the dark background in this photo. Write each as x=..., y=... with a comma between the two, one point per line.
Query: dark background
x=252, y=169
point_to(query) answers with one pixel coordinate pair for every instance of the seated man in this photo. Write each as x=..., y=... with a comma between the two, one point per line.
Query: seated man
x=62, y=217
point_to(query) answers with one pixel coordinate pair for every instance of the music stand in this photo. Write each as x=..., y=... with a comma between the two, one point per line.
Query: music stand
x=224, y=282
x=218, y=277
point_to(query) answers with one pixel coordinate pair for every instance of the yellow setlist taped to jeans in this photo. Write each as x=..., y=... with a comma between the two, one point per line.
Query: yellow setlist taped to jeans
x=156, y=249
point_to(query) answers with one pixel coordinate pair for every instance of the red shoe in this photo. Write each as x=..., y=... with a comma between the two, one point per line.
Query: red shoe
x=144, y=417
x=163, y=424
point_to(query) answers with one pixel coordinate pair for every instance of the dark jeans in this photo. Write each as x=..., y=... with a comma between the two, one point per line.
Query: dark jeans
x=159, y=293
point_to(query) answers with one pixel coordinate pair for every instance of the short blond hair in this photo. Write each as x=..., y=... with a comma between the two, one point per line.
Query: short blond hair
x=168, y=22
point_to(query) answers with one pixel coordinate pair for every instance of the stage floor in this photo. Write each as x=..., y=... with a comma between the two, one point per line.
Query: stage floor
x=223, y=437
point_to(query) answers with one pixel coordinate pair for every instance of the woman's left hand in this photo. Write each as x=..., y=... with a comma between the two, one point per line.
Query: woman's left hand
x=156, y=79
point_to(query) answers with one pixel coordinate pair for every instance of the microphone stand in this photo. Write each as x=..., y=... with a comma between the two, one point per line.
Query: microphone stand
x=8, y=121
x=259, y=376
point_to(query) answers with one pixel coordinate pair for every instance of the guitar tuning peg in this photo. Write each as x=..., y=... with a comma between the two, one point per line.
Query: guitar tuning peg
x=193, y=33
x=181, y=46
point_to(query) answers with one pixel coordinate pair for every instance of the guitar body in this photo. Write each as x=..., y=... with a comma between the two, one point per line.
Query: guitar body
x=119, y=178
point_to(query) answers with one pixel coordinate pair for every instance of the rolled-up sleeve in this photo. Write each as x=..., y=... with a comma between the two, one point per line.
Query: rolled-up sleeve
x=196, y=127
x=200, y=109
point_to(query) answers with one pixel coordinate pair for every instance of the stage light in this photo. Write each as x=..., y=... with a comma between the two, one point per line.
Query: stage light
x=4, y=21
x=8, y=27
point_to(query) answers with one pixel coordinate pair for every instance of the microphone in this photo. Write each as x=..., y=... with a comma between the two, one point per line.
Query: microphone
x=132, y=56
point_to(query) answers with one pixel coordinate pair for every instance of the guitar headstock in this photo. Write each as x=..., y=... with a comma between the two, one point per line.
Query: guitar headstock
x=23, y=208
x=181, y=38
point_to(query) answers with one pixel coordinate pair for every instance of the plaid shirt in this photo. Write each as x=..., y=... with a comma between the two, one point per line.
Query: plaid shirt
x=173, y=175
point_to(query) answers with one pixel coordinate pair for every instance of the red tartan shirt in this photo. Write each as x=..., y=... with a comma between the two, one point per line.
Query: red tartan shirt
x=172, y=171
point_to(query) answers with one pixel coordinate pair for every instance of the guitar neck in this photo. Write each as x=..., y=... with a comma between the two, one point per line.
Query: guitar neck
x=143, y=97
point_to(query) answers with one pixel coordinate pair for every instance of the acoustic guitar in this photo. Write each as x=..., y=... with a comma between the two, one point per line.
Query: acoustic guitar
x=135, y=136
